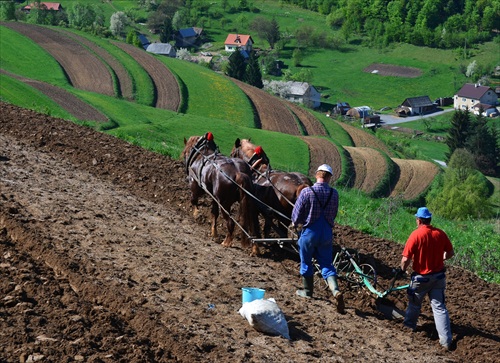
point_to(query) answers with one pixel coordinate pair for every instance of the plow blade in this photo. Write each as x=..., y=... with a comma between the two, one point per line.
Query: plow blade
x=390, y=311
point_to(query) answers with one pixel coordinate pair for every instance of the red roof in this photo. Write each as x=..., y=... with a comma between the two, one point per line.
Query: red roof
x=44, y=5
x=237, y=39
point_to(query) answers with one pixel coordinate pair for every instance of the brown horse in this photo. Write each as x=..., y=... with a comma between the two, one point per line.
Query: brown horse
x=278, y=189
x=227, y=181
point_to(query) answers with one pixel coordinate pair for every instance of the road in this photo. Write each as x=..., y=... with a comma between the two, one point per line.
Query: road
x=391, y=119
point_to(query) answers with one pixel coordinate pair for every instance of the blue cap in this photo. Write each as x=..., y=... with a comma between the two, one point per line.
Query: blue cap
x=423, y=212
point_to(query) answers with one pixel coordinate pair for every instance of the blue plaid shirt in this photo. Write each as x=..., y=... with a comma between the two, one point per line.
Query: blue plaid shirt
x=308, y=209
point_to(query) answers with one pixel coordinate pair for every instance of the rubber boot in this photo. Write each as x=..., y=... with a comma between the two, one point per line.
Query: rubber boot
x=308, y=282
x=334, y=286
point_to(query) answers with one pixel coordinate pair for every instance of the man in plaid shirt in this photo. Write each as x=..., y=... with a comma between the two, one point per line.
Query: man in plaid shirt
x=316, y=209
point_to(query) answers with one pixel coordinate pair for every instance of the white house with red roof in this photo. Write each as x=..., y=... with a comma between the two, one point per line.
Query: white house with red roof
x=471, y=94
x=238, y=41
x=44, y=6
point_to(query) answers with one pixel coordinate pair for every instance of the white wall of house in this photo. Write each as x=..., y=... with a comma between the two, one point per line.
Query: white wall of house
x=463, y=103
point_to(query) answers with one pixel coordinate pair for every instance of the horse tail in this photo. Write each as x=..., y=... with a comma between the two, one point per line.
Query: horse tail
x=299, y=190
x=248, y=213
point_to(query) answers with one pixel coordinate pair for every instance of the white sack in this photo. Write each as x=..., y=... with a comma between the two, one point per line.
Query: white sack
x=265, y=316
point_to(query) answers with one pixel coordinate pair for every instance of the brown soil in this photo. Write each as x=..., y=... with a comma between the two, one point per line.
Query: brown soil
x=85, y=71
x=101, y=261
x=271, y=111
x=311, y=124
x=392, y=70
x=168, y=94
x=323, y=151
x=369, y=166
x=123, y=77
x=362, y=138
x=414, y=178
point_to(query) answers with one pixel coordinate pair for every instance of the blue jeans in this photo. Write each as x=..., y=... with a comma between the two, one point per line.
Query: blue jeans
x=434, y=286
x=316, y=241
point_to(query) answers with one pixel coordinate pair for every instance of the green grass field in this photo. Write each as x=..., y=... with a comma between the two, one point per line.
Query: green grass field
x=211, y=94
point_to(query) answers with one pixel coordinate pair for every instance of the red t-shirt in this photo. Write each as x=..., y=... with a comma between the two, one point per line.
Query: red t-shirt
x=426, y=246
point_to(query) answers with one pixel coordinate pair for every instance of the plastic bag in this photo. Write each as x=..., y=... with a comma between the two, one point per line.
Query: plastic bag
x=265, y=316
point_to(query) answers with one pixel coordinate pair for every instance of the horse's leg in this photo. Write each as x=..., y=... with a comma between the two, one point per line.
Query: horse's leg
x=196, y=192
x=228, y=241
x=215, y=215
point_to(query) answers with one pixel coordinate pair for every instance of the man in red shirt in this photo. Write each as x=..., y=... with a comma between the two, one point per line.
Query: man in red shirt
x=428, y=247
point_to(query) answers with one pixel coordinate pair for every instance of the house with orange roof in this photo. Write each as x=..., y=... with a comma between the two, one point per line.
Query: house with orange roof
x=238, y=41
x=43, y=6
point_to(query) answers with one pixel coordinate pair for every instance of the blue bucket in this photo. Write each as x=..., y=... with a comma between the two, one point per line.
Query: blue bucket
x=252, y=293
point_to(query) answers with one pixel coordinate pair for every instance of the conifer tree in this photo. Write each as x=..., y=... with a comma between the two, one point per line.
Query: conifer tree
x=253, y=75
x=459, y=132
x=236, y=67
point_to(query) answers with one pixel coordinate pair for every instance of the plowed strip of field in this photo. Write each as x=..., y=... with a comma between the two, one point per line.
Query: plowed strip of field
x=310, y=122
x=124, y=79
x=370, y=166
x=392, y=70
x=85, y=71
x=168, y=94
x=364, y=139
x=415, y=177
x=272, y=113
x=322, y=151
x=81, y=110
x=406, y=173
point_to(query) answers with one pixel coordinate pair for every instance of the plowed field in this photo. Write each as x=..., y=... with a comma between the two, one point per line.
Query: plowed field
x=101, y=261
x=168, y=94
x=369, y=166
x=85, y=71
x=273, y=114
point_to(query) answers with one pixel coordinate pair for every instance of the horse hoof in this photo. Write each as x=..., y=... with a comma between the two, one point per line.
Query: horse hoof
x=226, y=244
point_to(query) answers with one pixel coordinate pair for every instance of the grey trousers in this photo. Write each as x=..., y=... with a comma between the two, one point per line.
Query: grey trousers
x=434, y=286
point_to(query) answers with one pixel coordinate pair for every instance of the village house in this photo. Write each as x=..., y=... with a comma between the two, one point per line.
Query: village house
x=162, y=49
x=471, y=94
x=297, y=92
x=43, y=5
x=304, y=93
x=238, y=41
x=416, y=106
x=187, y=37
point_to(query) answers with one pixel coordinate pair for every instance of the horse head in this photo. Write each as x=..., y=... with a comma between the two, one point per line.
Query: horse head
x=198, y=146
x=254, y=155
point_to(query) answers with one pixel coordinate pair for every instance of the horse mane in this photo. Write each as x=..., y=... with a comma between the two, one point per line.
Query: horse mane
x=247, y=147
x=188, y=145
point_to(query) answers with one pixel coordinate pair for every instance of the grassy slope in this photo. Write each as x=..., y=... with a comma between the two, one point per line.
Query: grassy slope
x=23, y=95
x=13, y=45
x=211, y=94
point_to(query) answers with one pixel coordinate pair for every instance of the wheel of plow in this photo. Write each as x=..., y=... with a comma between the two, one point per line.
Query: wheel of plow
x=369, y=273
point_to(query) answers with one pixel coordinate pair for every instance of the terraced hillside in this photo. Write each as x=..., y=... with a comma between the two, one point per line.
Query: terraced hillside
x=90, y=67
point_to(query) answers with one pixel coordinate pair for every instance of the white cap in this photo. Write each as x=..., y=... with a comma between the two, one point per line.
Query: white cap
x=325, y=167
